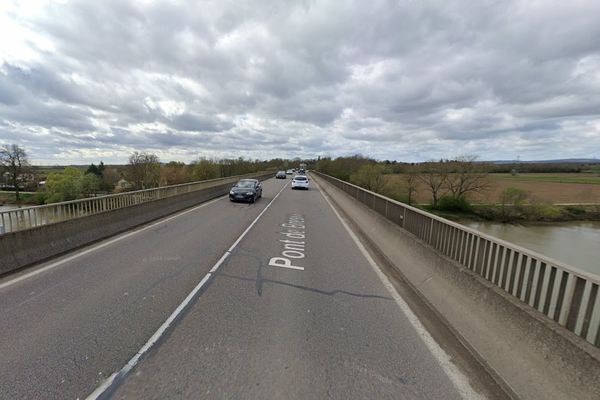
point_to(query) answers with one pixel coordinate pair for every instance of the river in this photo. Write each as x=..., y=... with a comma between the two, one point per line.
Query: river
x=575, y=243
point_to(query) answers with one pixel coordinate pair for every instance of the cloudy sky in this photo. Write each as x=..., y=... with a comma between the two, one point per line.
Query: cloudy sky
x=83, y=81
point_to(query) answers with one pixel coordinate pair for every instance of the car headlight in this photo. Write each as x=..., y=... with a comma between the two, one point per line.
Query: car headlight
x=231, y=192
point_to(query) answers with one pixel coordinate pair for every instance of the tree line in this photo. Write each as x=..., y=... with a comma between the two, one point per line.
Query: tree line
x=143, y=170
x=449, y=182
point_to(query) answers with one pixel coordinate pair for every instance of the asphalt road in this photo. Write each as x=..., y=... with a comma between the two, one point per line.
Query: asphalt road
x=327, y=329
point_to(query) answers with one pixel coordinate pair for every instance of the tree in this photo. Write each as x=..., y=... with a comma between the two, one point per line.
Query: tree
x=466, y=176
x=63, y=186
x=110, y=177
x=369, y=176
x=203, y=169
x=512, y=200
x=88, y=185
x=343, y=167
x=174, y=173
x=143, y=170
x=411, y=179
x=14, y=160
x=96, y=170
x=433, y=175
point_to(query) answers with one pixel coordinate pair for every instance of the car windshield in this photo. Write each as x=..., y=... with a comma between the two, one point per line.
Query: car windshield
x=300, y=178
x=245, y=184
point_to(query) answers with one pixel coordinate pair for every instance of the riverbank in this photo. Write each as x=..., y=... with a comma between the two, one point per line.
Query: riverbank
x=524, y=213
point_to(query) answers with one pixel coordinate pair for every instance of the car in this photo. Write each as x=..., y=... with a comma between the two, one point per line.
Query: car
x=246, y=190
x=301, y=171
x=281, y=175
x=300, y=182
x=289, y=171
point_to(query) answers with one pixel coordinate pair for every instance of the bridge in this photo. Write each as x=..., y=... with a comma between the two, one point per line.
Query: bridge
x=335, y=292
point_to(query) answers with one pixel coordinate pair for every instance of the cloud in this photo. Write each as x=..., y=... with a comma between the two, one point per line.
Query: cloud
x=406, y=80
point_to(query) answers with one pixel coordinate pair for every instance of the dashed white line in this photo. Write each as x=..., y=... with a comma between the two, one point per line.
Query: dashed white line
x=163, y=328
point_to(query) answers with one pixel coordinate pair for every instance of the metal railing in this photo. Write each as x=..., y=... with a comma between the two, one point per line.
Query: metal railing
x=563, y=293
x=30, y=217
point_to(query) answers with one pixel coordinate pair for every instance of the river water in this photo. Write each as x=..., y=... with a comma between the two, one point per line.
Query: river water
x=575, y=243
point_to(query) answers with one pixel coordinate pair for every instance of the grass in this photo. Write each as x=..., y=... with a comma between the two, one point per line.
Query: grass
x=587, y=179
x=9, y=198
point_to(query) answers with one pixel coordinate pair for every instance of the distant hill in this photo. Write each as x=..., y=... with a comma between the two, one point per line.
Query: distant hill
x=561, y=161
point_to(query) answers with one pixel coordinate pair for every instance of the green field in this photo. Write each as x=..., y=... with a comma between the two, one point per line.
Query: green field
x=583, y=178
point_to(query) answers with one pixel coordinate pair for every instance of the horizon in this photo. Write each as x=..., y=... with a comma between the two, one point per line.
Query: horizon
x=294, y=159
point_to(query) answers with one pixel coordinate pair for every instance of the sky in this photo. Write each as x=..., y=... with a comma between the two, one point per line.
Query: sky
x=408, y=80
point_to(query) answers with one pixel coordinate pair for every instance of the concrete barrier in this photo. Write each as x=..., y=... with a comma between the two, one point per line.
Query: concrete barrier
x=529, y=354
x=22, y=248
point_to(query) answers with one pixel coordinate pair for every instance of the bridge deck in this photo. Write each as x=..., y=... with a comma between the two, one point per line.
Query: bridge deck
x=254, y=330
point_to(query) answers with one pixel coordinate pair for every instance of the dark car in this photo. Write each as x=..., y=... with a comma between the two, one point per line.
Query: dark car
x=280, y=175
x=246, y=190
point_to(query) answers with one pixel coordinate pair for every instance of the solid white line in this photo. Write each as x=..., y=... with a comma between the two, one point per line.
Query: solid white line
x=458, y=379
x=103, y=244
x=163, y=328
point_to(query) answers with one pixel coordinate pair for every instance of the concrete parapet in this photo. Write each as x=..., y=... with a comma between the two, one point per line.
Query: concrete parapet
x=23, y=248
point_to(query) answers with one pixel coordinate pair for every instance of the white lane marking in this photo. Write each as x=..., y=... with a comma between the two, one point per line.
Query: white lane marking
x=458, y=379
x=163, y=328
x=104, y=244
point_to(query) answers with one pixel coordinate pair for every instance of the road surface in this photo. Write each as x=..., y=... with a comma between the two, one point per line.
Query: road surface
x=292, y=310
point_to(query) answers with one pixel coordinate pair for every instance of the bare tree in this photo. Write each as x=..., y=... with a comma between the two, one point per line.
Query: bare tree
x=143, y=170
x=411, y=177
x=174, y=173
x=465, y=175
x=14, y=160
x=433, y=175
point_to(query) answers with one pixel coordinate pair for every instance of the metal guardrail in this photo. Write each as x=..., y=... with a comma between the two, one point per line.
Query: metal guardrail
x=563, y=293
x=30, y=217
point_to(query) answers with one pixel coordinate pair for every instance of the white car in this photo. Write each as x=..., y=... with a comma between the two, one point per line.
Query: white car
x=300, y=182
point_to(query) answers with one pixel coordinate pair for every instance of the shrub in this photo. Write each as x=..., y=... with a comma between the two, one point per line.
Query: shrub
x=451, y=203
x=40, y=197
x=575, y=210
x=541, y=211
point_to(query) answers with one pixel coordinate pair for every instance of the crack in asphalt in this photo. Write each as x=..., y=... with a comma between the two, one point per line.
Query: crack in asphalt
x=260, y=281
x=301, y=287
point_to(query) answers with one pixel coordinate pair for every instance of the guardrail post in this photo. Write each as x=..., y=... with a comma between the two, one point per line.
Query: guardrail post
x=430, y=232
x=593, y=334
